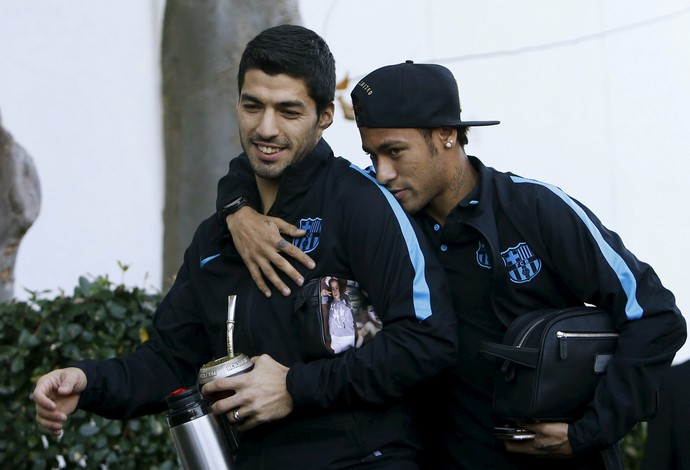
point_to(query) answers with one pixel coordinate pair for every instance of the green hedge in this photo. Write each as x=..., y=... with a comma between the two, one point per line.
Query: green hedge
x=100, y=320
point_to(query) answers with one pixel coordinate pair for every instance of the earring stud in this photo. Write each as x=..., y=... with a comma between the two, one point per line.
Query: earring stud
x=449, y=144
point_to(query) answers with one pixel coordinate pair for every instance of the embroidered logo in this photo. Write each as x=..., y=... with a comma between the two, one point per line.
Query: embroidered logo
x=310, y=241
x=483, y=258
x=523, y=265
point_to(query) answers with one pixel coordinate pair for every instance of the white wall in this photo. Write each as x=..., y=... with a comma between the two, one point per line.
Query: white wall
x=592, y=94
x=80, y=91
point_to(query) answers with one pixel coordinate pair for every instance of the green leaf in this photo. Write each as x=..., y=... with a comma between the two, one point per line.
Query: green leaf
x=7, y=350
x=114, y=428
x=88, y=429
x=17, y=364
x=116, y=310
x=27, y=340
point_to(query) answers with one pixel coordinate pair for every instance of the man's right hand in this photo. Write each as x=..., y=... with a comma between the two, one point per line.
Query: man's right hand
x=56, y=396
x=259, y=242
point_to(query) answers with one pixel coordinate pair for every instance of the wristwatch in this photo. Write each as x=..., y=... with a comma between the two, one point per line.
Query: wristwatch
x=233, y=206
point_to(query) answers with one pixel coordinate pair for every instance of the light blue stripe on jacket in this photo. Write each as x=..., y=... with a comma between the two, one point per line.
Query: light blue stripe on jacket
x=422, y=296
x=633, y=310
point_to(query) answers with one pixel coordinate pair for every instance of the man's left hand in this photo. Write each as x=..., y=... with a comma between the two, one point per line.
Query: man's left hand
x=260, y=395
x=551, y=441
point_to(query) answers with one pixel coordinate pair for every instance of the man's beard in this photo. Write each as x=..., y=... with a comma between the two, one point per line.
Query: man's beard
x=274, y=171
x=268, y=172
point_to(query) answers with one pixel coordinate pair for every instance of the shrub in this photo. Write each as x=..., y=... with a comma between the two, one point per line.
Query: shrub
x=100, y=320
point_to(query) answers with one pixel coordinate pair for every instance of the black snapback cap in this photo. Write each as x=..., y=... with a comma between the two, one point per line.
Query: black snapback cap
x=409, y=95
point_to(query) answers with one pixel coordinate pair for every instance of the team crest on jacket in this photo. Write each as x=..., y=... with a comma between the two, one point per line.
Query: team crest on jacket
x=483, y=259
x=521, y=262
x=310, y=241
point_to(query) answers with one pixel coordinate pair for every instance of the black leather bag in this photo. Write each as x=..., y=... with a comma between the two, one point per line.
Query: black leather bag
x=552, y=362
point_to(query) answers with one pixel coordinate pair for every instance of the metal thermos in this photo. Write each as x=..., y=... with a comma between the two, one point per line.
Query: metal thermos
x=199, y=440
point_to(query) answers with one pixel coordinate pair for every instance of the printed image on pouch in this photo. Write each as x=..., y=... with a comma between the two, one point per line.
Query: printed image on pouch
x=348, y=318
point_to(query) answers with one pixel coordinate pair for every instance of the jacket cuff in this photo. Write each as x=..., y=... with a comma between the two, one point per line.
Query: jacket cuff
x=90, y=397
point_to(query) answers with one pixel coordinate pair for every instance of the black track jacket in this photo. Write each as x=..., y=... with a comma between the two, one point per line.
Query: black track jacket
x=349, y=409
x=517, y=245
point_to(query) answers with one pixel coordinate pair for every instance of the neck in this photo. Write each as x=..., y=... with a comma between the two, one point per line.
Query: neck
x=462, y=179
x=268, y=190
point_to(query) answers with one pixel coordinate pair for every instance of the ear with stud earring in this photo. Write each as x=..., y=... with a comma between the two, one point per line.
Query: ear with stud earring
x=449, y=144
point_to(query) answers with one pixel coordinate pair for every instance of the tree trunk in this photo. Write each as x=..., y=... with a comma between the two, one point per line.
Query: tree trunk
x=201, y=50
x=20, y=201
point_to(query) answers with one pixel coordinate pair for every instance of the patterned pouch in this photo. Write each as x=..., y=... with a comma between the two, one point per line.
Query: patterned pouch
x=334, y=314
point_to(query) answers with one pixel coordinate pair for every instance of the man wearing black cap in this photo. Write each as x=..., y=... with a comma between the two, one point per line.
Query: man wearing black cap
x=510, y=246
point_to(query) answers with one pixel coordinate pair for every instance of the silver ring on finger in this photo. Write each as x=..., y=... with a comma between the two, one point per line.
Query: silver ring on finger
x=236, y=415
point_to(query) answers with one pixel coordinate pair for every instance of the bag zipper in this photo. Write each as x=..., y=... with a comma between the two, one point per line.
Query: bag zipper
x=564, y=335
x=525, y=335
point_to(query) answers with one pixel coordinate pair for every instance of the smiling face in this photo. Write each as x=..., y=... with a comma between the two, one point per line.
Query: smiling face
x=278, y=122
x=335, y=289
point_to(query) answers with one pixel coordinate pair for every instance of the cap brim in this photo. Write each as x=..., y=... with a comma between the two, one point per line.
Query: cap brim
x=477, y=123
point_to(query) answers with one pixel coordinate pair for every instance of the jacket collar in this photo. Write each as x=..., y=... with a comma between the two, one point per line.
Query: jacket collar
x=298, y=177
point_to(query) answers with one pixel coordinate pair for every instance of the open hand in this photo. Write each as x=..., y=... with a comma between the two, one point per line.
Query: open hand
x=259, y=242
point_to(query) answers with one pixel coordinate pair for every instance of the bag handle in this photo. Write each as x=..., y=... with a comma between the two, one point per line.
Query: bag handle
x=527, y=357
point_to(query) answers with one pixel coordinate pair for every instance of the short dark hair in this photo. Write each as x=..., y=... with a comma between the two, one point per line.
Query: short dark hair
x=295, y=51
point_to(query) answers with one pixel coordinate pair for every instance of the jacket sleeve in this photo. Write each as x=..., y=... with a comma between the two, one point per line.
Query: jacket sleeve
x=668, y=434
x=407, y=287
x=600, y=270
x=239, y=181
x=137, y=383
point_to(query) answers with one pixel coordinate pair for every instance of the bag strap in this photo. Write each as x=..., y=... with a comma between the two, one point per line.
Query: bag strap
x=528, y=357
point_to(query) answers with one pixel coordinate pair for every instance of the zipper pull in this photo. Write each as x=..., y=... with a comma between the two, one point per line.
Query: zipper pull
x=562, y=344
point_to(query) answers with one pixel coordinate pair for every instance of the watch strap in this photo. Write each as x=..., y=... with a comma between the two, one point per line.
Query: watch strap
x=233, y=206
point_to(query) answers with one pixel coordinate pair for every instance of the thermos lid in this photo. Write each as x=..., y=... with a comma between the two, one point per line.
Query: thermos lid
x=184, y=405
x=182, y=398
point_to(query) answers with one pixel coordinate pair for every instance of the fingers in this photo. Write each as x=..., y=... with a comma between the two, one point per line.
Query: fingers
x=269, y=266
x=47, y=413
x=242, y=418
x=260, y=395
x=275, y=261
x=287, y=228
x=51, y=422
x=263, y=269
x=295, y=253
x=42, y=400
x=258, y=278
x=56, y=396
x=247, y=423
x=288, y=248
x=551, y=441
x=259, y=242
